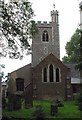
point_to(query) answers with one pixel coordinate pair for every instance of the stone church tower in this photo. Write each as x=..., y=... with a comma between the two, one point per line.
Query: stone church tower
x=47, y=40
x=46, y=78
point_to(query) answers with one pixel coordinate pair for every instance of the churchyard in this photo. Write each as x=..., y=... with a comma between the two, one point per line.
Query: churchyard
x=68, y=110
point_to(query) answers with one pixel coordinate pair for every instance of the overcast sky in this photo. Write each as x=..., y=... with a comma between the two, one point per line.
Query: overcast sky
x=69, y=19
x=69, y=16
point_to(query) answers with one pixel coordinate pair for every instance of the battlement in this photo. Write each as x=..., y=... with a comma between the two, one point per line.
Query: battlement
x=43, y=23
x=54, y=12
x=54, y=19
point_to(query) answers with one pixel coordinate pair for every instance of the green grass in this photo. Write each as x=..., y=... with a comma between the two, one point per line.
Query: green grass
x=70, y=110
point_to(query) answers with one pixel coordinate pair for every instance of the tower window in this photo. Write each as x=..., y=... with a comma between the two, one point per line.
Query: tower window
x=45, y=74
x=51, y=73
x=57, y=74
x=45, y=37
x=20, y=84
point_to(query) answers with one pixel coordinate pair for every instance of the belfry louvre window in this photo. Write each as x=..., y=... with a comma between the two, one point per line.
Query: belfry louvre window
x=20, y=84
x=45, y=74
x=51, y=75
x=45, y=37
x=57, y=75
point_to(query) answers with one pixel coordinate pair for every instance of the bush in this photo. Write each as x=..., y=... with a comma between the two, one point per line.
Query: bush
x=80, y=98
x=38, y=113
x=58, y=102
x=4, y=103
x=14, y=102
x=80, y=102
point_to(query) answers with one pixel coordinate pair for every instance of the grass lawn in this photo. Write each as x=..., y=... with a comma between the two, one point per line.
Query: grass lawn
x=70, y=110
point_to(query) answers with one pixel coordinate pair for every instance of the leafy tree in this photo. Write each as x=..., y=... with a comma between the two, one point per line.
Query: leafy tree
x=80, y=57
x=73, y=49
x=16, y=28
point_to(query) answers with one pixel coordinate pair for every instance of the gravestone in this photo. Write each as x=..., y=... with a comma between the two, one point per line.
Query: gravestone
x=54, y=109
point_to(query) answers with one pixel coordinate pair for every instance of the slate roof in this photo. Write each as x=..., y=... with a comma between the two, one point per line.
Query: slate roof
x=75, y=74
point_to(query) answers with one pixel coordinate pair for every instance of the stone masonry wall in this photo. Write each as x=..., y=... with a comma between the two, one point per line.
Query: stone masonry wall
x=41, y=49
x=49, y=90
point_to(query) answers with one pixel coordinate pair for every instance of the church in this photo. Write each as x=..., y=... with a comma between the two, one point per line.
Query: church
x=46, y=77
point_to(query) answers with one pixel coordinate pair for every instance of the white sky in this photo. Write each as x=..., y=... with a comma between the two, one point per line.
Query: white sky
x=69, y=19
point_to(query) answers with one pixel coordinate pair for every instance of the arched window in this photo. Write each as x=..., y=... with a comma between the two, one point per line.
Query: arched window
x=51, y=73
x=20, y=84
x=57, y=75
x=45, y=74
x=45, y=37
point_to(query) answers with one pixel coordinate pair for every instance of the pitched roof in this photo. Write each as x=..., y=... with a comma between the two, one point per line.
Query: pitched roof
x=23, y=72
x=75, y=74
x=52, y=58
x=22, y=68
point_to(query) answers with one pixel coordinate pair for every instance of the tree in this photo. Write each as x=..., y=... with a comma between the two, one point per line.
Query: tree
x=73, y=49
x=16, y=28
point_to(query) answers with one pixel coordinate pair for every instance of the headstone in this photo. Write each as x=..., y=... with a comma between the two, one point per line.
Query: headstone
x=54, y=109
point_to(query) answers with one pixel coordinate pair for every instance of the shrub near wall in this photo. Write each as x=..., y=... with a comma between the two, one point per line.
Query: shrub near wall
x=80, y=102
x=39, y=113
x=14, y=102
x=4, y=103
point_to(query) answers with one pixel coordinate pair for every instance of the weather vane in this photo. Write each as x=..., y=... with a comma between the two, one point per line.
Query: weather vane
x=54, y=6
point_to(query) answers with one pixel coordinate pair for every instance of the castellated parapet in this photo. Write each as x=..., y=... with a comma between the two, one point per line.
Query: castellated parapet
x=42, y=48
x=44, y=23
